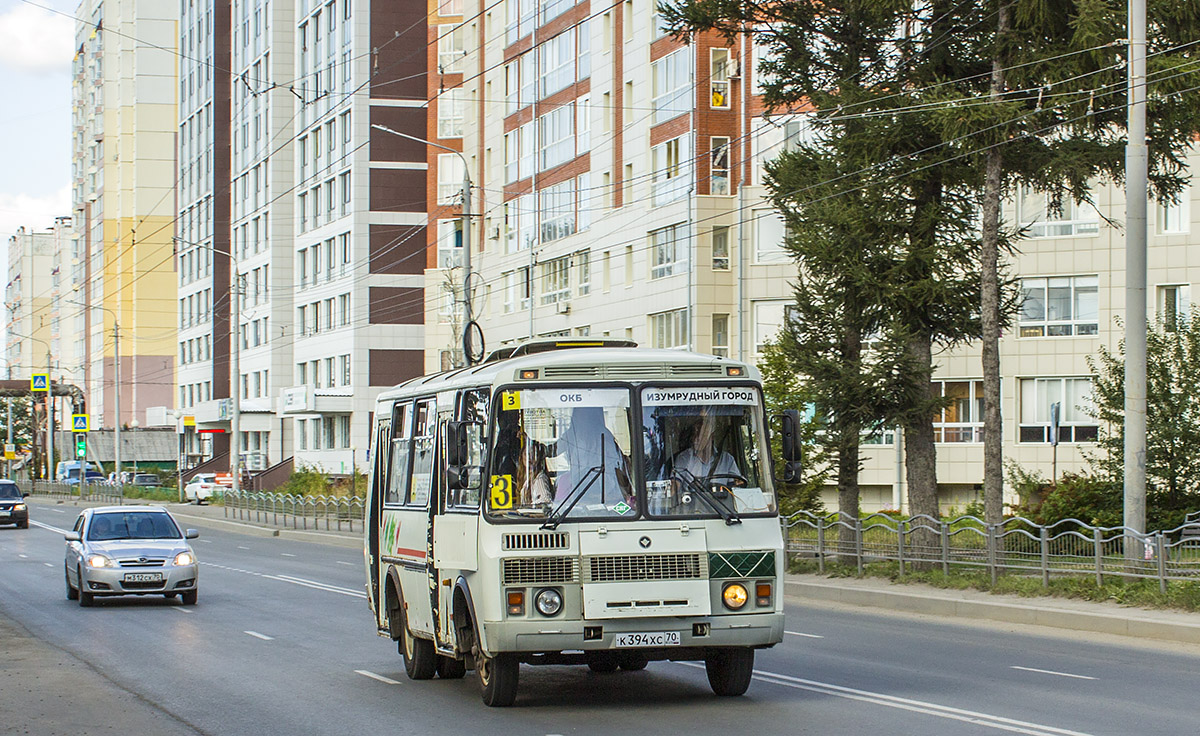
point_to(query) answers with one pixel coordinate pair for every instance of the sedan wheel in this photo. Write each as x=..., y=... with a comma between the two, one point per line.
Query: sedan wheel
x=189, y=597
x=72, y=591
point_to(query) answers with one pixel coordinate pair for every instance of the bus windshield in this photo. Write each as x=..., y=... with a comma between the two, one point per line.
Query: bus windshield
x=705, y=452
x=563, y=454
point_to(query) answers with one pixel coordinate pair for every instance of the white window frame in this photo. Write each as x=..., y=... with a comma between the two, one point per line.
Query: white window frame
x=449, y=242
x=768, y=321
x=671, y=175
x=451, y=47
x=669, y=330
x=770, y=232
x=450, y=178
x=1076, y=425
x=670, y=84
x=556, y=63
x=668, y=251
x=1035, y=320
x=719, y=61
x=451, y=110
x=556, y=131
x=1034, y=215
x=961, y=430
x=557, y=204
x=556, y=280
x=1174, y=218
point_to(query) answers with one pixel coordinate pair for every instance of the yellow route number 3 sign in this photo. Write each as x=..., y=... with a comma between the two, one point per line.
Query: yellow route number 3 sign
x=502, y=492
x=510, y=400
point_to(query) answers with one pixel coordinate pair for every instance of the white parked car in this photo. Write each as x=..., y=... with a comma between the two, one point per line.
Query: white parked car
x=201, y=487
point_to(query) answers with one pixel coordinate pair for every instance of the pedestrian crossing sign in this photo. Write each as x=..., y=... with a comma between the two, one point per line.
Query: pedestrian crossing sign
x=79, y=422
x=39, y=382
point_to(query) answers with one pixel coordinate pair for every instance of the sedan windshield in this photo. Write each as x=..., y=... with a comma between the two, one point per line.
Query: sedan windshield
x=705, y=452
x=562, y=454
x=132, y=525
x=9, y=490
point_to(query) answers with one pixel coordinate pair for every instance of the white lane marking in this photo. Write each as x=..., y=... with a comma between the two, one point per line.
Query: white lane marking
x=257, y=635
x=205, y=541
x=1052, y=672
x=241, y=547
x=58, y=511
x=47, y=564
x=343, y=562
x=26, y=557
x=182, y=610
x=381, y=678
x=801, y=633
x=294, y=581
x=286, y=554
x=54, y=529
x=916, y=706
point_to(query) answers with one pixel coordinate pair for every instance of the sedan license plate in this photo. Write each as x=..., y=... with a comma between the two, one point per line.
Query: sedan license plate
x=5, y=514
x=647, y=639
x=143, y=577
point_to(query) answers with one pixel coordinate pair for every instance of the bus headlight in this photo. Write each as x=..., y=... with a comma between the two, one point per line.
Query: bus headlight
x=548, y=602
x=734, y=596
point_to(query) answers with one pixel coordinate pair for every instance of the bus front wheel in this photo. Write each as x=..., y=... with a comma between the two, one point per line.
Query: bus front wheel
x=420, y=659
x=730, y=670
x=497, y=678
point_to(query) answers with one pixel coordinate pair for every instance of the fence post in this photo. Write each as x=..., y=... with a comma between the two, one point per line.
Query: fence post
x=1098, y=542
x=991, y=552
x=900, y=543
x=945, y=548
x=1044, y=534
x=821, y=544
x=858, y=543
x=1160, y=549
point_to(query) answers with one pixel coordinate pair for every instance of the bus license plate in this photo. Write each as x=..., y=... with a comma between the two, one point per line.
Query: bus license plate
x=649, y=639
x=143, y=577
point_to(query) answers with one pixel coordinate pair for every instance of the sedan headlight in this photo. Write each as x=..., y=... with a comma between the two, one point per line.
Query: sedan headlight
x=735, y=596
x=19, y=507
x=99, y=561
x=184, y=558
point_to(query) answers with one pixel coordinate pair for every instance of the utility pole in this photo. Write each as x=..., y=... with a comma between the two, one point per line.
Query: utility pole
x=117, y=396
x=235, y=376
x=1135, y=283
x=50, y=421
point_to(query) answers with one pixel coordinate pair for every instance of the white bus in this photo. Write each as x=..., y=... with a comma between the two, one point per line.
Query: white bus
x=576, y=502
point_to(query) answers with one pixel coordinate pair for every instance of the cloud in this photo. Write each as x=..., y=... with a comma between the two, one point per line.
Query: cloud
x=33, y=212
x=36, y=40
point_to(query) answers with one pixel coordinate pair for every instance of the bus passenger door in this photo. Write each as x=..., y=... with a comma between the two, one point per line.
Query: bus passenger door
x=376, y=491
x=455, y=538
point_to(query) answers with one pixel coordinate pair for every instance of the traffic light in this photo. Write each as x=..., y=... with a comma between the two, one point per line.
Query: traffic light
x=80, y=445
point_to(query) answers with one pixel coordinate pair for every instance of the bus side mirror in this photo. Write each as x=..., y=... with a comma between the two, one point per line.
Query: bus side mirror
x=792, y=465
x=456, y=443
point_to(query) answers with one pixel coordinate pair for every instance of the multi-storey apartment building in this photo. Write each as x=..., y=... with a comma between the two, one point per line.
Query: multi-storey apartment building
x=618, y=191
x=31, y=335
x=123, y=187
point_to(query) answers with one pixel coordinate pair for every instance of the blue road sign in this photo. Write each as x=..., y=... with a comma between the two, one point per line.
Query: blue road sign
x=79, y=422
x=39, y=382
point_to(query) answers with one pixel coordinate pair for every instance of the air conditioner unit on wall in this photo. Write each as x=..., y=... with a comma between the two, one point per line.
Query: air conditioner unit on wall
x=563, y=307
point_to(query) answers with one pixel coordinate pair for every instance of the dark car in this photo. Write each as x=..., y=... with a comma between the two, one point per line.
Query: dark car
x=147, y=480
x=12, y=505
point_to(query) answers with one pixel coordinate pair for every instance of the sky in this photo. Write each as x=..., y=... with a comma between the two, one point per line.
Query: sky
x=35, y=119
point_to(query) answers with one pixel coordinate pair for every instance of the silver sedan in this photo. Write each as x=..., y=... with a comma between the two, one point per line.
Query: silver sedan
x=130, y=550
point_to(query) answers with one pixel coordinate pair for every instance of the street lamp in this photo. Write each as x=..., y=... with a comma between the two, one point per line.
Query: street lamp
x=117, y=385
x=49, y=414
x=468, y=320
x=235, y=369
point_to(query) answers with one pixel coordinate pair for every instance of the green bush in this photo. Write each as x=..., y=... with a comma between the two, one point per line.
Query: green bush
x=306, y=483
x=1090, y=499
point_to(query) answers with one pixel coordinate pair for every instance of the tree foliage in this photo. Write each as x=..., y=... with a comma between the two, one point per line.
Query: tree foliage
x=783, y=389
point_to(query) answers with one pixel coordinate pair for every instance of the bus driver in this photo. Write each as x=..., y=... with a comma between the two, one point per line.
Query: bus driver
x=701, y=459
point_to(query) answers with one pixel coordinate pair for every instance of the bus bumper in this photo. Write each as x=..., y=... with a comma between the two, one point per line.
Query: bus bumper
x=549, y=635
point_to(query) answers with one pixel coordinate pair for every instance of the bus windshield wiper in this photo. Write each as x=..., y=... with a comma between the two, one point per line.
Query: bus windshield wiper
x=701, y=487
x=586, y=481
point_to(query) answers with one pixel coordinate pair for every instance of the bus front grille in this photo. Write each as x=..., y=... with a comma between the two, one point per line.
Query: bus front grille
x=540, y=570
x=613, y=568
x=522, y=541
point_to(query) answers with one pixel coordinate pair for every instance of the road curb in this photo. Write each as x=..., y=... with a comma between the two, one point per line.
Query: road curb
x=1025, y=614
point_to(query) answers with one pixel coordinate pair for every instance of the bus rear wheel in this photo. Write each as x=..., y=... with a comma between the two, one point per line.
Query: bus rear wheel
x=729, y=670
x=498, y=677
x=420, y=659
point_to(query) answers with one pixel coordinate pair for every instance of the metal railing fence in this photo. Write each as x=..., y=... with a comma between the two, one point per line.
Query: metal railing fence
x=1018, y=545
x=282, y=509
x=91, y=492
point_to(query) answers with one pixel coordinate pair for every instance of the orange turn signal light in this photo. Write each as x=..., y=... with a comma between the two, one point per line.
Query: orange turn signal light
x=529, y=374
x=516, y=602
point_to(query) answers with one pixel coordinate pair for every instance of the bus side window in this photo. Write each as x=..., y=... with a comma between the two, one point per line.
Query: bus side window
x=425, y=420
x=401, y=444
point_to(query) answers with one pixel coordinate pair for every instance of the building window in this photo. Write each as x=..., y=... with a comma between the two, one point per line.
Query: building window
x=583, y=267
x=556, y=280
x=450, y=48
x=961, y=420
x=1173, y=217
x=556, y=130
x=719, y=158
x=1059, y=306
x=451, y=110
x=450, y=178
x=670, y=180
x=1174, y=305
x=668, y=251
x=671, y=85
x=720, y=335
x=719, y=61
x=669, y=329
x=769, y=236
x=1036, y=213
x=556, y=64
x=768, y=321
x=720, y=248
x=1073, y=397
x=449, y=243
x=558, y=210
x=345, y=360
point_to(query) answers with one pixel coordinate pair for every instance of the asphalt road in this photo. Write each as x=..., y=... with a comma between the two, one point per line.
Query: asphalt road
x=281, y=642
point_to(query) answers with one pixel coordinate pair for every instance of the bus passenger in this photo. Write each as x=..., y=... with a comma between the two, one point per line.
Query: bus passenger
x=588, y=443
x=536, y=489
